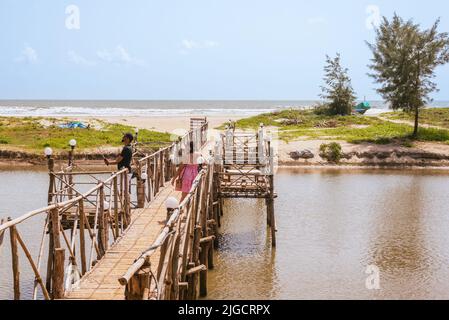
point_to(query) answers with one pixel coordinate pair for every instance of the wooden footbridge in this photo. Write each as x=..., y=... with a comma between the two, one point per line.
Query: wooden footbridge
x=108, y=235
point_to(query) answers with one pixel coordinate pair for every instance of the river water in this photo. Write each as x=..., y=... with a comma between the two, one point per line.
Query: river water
x=332, y=224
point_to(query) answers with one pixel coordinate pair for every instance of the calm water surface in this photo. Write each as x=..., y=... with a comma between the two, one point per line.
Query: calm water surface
x=331, y=225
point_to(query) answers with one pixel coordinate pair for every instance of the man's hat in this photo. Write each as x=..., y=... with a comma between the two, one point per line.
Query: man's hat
x=129, y=136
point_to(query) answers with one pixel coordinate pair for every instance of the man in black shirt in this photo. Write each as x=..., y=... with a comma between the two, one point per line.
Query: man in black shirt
x=125, y=157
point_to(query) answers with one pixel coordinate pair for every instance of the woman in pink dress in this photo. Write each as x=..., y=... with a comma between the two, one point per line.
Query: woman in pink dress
x=187, y=172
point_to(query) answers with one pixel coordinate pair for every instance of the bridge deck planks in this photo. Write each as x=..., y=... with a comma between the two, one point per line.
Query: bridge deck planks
x=101, y=283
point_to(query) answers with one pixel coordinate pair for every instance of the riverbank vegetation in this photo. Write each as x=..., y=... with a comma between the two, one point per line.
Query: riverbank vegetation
x=314, y=124
x=33, y=134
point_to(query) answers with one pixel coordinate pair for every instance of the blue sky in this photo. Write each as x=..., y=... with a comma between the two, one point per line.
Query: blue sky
x=196, y=49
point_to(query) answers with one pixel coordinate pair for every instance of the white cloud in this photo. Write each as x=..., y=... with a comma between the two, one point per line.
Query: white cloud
x=316, y=20
x=120, y=56
x=28, y=55
x=79, y=60
x=191, y=44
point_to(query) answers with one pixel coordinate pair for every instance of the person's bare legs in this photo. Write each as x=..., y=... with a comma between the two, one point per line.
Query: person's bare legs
x=184, y=195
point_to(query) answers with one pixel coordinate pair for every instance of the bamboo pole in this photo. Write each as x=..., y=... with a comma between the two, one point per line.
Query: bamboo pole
x=2, y=234
x=203, y=274
x=15, y=262
x=41, y=252
x=149, y=180
x=116, y=213
x=55, y=227
x=82, y=218
x=137, y=286
x=33, y=266
x=58, y=274
x=127, y=200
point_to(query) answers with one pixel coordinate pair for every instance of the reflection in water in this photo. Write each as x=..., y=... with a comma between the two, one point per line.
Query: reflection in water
x=245, y=253
x=331, y=225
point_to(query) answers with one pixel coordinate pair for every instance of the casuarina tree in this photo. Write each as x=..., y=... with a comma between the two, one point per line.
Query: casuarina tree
x=404, y=61
x=338, y=89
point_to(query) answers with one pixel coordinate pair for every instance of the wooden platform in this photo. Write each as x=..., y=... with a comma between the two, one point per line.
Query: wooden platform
x=101, y=283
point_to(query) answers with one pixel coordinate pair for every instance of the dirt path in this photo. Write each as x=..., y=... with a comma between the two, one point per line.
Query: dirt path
x=411, y=123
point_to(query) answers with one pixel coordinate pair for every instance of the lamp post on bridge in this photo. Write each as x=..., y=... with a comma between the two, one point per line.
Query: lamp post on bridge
x=51, y=166
x=72, y=144
x=137, y=134
x=171, y=204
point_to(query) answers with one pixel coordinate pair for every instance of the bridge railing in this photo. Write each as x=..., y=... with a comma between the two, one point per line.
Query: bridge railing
x=184, y=246
x=90, y=224
x=94, y=219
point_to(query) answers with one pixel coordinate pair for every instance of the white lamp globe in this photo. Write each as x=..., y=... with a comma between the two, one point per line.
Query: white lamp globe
x=72, y=143
x=171, y=203
x=137, y=130
x=48, y=151
x=200, y=160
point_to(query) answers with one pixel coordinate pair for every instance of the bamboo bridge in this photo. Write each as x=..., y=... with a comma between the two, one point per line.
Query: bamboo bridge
x=109, y=236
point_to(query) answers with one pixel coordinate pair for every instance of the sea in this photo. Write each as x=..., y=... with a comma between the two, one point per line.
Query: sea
x=163, y=108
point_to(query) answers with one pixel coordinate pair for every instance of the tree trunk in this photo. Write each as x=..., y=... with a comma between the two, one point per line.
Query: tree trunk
x=415, y=131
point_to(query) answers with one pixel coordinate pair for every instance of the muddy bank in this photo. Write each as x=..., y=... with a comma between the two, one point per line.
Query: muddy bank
x=296, y=154
x=374, y=156
x=23, y=158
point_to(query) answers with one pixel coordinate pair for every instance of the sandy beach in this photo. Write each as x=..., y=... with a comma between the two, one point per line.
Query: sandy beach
x=161, y=123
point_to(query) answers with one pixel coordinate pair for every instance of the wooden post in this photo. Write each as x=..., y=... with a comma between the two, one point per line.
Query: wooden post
x=137, y=287
x=174, y=294
x=82, y=221
x=192, y=290
x=149, y=180
x=58, y=274
x=54, y=243
x=162, y=169
x=267, y=204
x=116, y=213
x=270, y=207
x=210, y=256
x=70, y=190
x=15, y=262
x=203, y=274
x=126, y=200
x=55, y=227
x=51, y=247
x=102, y=225
x=51, y=185
x=140, y=193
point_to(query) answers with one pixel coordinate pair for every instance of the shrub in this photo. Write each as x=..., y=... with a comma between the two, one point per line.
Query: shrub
x=332, y=152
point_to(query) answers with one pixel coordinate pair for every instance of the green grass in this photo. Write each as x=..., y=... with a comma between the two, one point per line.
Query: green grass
x=306, y=119
x=432, y=116
x=29, y=134
x=353, y=129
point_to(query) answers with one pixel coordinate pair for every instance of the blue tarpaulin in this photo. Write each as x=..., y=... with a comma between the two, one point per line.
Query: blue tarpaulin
x=73, y=125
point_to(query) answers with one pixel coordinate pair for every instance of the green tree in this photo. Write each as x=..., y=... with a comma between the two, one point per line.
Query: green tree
x=338, y=89
x=404, y=62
